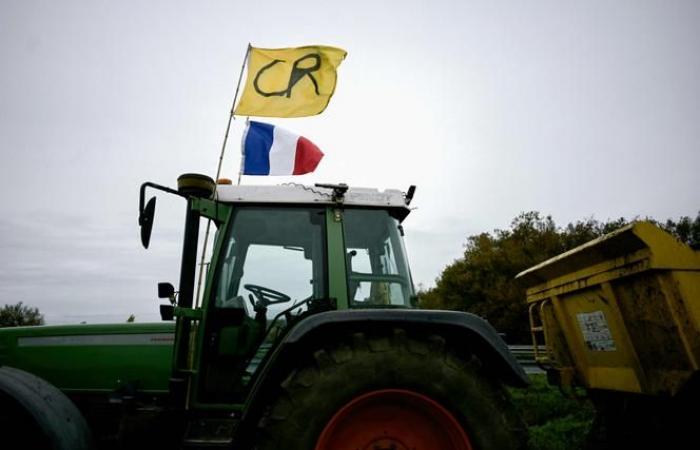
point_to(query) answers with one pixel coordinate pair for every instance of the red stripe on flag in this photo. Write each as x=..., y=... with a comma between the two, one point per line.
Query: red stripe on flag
x=307, y=158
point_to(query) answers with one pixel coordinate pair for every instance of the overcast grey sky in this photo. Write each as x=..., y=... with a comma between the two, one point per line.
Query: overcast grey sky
x=573, y=108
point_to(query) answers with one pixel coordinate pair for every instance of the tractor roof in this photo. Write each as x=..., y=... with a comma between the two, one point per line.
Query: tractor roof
x=313, y=195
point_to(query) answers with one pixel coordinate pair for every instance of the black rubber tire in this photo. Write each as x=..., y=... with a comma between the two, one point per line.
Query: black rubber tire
x=36, y=415
x=312, y=394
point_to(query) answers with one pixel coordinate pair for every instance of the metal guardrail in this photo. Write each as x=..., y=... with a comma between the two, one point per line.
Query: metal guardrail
x=525, y=355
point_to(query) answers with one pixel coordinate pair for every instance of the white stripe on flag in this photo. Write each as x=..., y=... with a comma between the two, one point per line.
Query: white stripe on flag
x=283, y=152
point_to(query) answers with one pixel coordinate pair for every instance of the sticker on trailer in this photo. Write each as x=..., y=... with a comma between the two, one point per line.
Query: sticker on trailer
x=596, y=333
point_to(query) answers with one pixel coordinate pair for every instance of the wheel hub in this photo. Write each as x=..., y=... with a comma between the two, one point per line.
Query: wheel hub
x=393, y=419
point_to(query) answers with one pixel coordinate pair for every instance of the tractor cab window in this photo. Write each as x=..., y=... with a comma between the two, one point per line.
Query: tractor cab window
x=274, y=256
x=377, y=268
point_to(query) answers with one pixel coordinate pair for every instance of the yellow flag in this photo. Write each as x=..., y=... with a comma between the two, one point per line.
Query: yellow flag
x=289, y=82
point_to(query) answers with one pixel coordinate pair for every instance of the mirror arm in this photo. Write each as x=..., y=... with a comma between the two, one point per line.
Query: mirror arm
x=142, y=193
x=147, y=210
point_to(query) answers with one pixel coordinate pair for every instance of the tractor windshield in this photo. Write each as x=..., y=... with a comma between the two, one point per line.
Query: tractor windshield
x=274, y=255
x=377, y=268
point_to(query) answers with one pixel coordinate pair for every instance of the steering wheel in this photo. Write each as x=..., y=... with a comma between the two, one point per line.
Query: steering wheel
x=265, y=295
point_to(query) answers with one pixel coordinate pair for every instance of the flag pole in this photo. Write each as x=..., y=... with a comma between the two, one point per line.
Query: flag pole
x=218, y=170
x=233, y=106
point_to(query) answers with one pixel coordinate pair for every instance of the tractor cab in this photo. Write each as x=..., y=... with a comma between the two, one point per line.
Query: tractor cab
x=275, y=249
x=281, y=253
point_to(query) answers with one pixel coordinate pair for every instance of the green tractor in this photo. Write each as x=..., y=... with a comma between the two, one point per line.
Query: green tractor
x=307, y=337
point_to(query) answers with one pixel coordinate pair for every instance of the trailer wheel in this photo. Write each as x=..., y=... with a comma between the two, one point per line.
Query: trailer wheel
x=36, y=415
x=397, y=392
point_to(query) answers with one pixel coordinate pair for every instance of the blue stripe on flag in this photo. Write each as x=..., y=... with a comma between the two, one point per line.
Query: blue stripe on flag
x=256, y=148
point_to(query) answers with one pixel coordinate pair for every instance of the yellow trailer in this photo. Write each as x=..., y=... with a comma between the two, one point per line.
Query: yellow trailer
x=619, y=315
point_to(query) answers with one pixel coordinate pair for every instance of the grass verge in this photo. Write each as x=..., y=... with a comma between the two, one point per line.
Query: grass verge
x=555, y=421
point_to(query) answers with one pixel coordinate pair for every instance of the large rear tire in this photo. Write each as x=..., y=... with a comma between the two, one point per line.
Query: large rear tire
x=394, y=392
x=36, y=415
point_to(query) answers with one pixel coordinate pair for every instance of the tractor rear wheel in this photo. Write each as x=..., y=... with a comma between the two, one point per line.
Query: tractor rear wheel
x=394, y=393
x=34, y=414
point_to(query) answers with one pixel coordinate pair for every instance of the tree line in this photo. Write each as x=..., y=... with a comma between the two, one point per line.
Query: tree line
x=21, y=315
x=483, y=281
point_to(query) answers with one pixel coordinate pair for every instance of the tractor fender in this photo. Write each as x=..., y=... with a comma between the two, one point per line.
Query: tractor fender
x=466, y=329
x=54, y=413
x=459, y=328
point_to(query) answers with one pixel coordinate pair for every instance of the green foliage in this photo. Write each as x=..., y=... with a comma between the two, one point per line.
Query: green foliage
x=131, y=319
x=686, y=229
x=20, y=315
x=563, y=433
x=555, y=422
x=483, y=280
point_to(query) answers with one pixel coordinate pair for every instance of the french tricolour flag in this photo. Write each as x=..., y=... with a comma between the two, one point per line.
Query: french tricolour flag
x=271, y=150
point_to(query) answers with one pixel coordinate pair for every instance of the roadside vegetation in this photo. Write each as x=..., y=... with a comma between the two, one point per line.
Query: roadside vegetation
x=555, y=421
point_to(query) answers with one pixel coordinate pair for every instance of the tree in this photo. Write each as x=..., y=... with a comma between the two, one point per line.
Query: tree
x=20, y=315
x=686, y=229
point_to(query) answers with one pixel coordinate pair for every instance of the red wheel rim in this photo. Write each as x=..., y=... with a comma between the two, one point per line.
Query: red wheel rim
x=393, y=419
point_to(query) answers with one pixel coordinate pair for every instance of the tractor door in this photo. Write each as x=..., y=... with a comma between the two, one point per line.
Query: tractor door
x=272, y=258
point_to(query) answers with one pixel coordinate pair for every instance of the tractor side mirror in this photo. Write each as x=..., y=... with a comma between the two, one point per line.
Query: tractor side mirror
x=167, y=312
x=146, y=221
x=166, y=290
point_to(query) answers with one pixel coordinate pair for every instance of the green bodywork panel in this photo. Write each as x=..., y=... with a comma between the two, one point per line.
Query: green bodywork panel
x=216, y=211
x=93, y=358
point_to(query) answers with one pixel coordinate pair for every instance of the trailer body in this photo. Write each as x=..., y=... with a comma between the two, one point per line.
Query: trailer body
x=620, y=313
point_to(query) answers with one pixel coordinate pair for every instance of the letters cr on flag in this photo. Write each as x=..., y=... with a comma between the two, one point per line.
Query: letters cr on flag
x=289, y=82
x=271, y=150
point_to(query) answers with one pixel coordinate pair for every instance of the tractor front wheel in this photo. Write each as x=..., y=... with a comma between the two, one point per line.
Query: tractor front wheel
x=395, y=393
